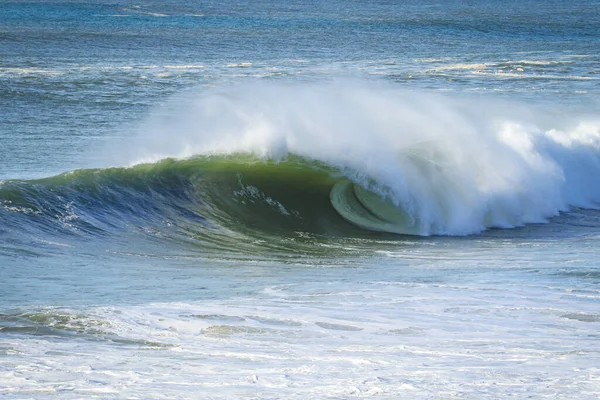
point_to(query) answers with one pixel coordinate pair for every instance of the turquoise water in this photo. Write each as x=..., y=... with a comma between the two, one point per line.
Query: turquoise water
x=300, y=199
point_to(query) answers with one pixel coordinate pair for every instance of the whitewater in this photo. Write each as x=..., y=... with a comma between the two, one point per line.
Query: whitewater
x=392, y=200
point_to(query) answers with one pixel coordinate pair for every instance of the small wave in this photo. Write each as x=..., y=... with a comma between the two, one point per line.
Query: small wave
x=240, y=65
x=521, y=75
x=184, y=66
x=466, y=66
x=30, y=72
x=522, y=69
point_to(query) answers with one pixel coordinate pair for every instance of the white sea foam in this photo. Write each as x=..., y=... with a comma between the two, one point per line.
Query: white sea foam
x=457, y=165
x=447, y=338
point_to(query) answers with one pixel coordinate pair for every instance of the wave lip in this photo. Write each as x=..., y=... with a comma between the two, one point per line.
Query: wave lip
x=369, y=211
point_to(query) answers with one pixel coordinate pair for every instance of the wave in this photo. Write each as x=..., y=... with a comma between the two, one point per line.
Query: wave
x=338, y=159
x=217, y=204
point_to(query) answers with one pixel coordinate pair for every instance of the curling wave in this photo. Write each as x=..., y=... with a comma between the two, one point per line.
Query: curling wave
x=331, y=159
x=416, y=163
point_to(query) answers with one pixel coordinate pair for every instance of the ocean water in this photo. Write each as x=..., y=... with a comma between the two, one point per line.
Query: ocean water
x=301, y=199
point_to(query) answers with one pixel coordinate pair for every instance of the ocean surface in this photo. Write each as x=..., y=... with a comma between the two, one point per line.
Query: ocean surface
x=300, y=199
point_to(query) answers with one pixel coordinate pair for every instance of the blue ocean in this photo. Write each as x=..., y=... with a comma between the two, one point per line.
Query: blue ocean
x=300, y=199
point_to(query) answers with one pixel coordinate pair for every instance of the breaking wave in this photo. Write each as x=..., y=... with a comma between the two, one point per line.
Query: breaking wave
x=331, y=159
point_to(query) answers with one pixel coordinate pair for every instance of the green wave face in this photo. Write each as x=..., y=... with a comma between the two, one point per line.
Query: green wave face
x=294, y=195
x=271, y=197
x=219, y=203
